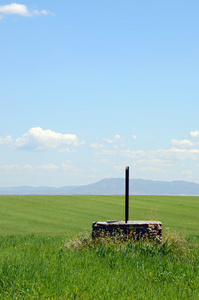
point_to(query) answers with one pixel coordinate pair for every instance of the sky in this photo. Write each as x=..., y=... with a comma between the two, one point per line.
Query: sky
x=89, y=87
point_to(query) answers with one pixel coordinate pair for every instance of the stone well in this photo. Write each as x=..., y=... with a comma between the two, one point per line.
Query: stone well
x=151, y=230
x=136, y=230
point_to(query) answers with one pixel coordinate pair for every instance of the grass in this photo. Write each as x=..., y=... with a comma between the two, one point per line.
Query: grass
x=41, y=267
x=42, y=256
x=73, y=214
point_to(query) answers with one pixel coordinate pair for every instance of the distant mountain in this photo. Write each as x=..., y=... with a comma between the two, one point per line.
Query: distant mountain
x=111, y=186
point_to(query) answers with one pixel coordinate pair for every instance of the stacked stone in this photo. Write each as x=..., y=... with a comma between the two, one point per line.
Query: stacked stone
x=151, y=230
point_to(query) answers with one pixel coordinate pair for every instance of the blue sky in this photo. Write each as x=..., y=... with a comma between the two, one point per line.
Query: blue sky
x=89, y=87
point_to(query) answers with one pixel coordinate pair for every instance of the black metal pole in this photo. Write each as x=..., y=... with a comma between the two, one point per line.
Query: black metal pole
x=127, y=195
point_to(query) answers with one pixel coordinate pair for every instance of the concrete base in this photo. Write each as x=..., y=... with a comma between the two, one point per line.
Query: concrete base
x=136, y=230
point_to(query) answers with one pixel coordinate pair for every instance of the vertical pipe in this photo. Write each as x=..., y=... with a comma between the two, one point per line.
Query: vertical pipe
x=127, y=195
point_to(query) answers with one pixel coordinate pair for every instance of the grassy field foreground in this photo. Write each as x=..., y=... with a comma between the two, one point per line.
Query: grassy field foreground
x=42, y=256
x=39, y=267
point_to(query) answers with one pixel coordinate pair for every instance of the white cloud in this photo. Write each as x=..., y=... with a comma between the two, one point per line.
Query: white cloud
x=48, y=167
x=115, y=139
x=108, y=152
x=37, y=139
x=155, y=162
x=66, y=166
x=134, y=137
x=152, y=169
x=73, y=171
x=103, y=160
x=95, y=170
x=42, y=168
x=13, y=167
x=6, y=140
x=10, y=167
x=66, y=150
x=194, y=134
x=119, y=167
x=133, y=154
x=15, y=9
x=182, y=143
x=169, y=154
x=41, y=12
x=20, y=9
x=44, y=12
x=187, y=172
x=96, y=145
x=180, y=154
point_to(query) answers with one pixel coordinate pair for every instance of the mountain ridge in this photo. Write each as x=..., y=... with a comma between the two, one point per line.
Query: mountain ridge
x=111, y=186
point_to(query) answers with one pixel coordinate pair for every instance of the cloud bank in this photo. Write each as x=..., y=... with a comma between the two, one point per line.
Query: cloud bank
x=107, y=156
x=45, y=168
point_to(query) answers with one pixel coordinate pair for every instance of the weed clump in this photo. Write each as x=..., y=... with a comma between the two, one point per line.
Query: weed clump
x=172, y=243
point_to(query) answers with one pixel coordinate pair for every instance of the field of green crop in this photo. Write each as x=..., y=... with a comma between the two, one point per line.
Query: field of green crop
x=73, y=214
x=46, y=251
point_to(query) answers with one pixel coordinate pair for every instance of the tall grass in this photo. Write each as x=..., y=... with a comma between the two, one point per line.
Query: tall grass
x=47, y=267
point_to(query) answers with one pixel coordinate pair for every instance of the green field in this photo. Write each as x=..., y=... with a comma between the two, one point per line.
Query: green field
x=46, y=250
x=73, y=214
